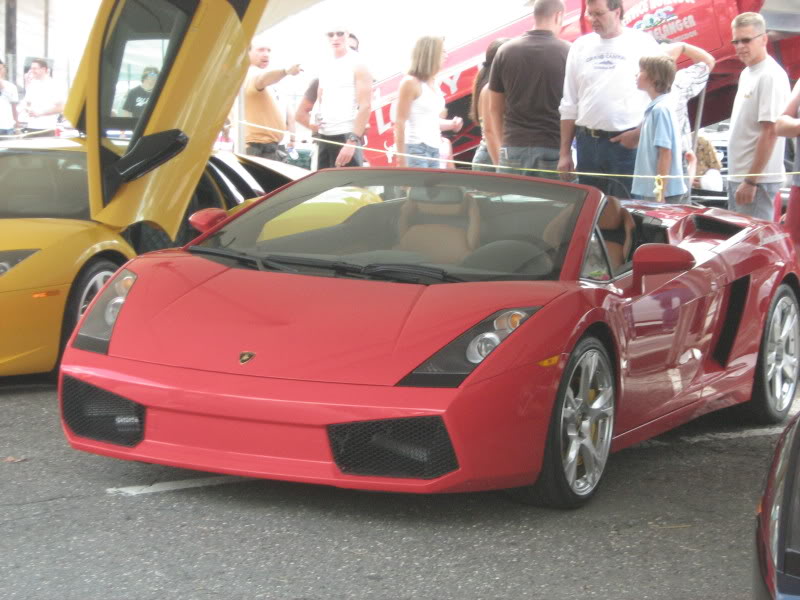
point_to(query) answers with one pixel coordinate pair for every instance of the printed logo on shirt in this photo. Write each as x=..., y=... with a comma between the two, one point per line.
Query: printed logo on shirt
x=605, y=61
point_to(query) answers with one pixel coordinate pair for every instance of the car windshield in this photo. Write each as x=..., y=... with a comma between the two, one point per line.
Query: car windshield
x=50, y=184
x=429, y=227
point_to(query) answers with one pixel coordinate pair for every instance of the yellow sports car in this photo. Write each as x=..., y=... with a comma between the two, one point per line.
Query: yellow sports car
x=54, y=257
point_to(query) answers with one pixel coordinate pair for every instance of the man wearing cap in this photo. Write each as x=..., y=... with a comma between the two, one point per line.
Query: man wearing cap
x=137, y=98
x=9, y=96
x=525, y=87
x=261, y=106
x=602, y=107
x=309, y=99
x=345, y=90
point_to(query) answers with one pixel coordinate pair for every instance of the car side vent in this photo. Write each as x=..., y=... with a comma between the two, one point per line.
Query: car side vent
x=715, y=226
x=737, y=297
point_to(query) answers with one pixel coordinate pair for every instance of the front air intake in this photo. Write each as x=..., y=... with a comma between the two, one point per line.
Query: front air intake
x=94, y=413
x=413, y=447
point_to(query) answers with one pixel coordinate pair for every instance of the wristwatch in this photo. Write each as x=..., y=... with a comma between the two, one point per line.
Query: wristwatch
x=352, y=137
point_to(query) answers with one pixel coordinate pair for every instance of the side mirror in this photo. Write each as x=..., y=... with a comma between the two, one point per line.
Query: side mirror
x=205, y=219
x=655, y=259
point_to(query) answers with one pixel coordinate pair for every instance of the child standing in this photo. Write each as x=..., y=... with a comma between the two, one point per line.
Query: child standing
x=659, y=151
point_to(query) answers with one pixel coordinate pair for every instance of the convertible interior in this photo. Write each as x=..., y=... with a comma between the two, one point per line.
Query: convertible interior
x=466, y=231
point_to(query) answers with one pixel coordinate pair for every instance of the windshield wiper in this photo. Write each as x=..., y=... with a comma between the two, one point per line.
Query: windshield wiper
x=400, y=270
x=261, y=264
x=336, y=266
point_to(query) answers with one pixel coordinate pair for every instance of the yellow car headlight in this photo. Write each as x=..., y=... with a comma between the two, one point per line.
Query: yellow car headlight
x=11, y=258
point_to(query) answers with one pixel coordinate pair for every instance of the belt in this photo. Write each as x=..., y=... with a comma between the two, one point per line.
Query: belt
x=268, y=146
x=598, y=133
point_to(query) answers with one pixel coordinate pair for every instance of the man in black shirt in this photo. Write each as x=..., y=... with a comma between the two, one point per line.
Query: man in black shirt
x=525, y=88
x=137, y=98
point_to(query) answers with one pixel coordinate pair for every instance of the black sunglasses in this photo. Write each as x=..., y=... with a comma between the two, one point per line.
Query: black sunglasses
x=335, y=33
x=745, y=40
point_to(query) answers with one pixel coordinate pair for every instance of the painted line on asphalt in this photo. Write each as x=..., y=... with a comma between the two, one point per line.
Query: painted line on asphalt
x=171, y=486
x=713, y=437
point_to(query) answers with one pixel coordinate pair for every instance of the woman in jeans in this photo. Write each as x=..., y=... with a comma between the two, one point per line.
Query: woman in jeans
x=480, y=106
x=421, y=108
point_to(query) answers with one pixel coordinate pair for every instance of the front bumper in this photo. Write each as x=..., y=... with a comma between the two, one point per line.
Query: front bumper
x=282, y=429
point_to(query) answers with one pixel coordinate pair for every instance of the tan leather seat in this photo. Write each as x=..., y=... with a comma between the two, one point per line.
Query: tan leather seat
x=553, y=234
x=617, y=221
x=441, y=223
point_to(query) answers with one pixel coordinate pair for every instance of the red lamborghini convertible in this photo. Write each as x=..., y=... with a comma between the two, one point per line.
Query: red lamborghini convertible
x=434, y=331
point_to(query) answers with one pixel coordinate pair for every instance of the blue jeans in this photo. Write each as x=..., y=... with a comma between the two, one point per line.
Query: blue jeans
x=763, y=205
x=519, y=158
x=424, y=156
x=482, y=158
x=599, y=155
x=6, y=132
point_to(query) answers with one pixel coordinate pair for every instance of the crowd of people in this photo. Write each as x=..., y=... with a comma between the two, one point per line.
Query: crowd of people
x=612, y=107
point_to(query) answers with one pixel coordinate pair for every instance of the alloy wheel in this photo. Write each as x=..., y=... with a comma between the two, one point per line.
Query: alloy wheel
x=587, y=421
x=781, y=357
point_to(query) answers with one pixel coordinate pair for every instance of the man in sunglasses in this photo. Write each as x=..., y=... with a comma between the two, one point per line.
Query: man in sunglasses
x=309, y=99
x=345, y=90
x=755, y=153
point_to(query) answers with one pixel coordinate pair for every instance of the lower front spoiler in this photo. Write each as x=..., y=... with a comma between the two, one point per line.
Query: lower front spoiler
x=278, y=429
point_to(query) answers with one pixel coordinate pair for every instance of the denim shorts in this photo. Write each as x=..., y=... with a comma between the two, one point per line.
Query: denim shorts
x=423, y=156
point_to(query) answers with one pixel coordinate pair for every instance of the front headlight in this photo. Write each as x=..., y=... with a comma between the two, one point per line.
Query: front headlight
x=11, y=258
x=451, y=365
x=94, y=332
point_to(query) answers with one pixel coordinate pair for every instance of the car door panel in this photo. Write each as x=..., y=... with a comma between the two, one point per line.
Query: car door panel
x=199, y=48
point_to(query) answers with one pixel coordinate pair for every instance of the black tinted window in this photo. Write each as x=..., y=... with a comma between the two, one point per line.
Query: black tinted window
x=43, y=184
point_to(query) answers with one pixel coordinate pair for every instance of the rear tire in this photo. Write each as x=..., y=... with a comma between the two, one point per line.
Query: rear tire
x=778, y=366
x=581, y=427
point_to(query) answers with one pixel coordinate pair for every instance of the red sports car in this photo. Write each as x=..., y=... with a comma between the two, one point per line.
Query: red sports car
x=455, y=331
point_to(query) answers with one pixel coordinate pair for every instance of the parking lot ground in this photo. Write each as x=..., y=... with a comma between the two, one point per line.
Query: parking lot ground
x=674, y=519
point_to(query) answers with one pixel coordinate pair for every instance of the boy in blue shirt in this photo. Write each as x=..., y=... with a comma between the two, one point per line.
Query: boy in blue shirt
x=659, y=151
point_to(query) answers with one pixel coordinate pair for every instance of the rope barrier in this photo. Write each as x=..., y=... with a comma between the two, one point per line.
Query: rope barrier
x=659, y=178
x=659, y=183
x=20, y=136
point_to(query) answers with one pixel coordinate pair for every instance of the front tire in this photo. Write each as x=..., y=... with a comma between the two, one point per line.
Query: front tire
x=581, y=428
x=86, y=286
x=778, y=366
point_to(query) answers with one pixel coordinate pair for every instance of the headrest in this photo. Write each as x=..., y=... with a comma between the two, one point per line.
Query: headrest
x=436, y=195
x=612, y=216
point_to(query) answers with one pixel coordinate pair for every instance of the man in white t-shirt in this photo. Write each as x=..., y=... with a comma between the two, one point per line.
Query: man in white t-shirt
x=345, y=96
x=755, y=153
x=44, y=99
x=601, y=107
x=8, y=104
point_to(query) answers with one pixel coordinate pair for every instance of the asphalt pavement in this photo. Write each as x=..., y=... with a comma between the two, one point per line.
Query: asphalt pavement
x=673, y=519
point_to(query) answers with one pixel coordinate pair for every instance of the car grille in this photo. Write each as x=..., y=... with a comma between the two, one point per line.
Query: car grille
x=413, y=447
x=100, y=415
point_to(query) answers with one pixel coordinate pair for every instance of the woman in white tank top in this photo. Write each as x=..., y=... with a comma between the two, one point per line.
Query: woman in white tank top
x=421, y=108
